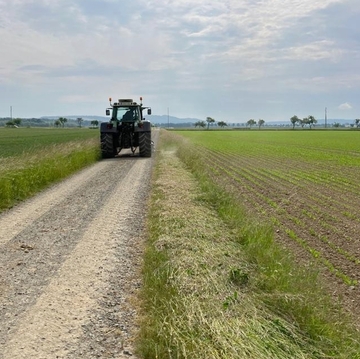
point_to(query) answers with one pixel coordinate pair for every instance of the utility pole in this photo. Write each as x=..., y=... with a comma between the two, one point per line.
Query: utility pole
x=168, y=117
x=325, y=117
x=11, y=113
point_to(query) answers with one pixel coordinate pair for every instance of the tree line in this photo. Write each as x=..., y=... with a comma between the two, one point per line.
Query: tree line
x=16, y=122
x=295, y=121
x=311, y=121
x=60, y=122
x=210, y=120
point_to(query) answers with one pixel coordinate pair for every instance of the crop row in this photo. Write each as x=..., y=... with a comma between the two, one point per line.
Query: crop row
x=313, y=203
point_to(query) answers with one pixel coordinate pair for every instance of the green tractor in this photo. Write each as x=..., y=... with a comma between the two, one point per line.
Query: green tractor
x=127, y=128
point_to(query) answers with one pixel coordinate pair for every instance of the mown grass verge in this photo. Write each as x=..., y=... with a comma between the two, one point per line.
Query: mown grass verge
x=23, y=176
x=215, y=283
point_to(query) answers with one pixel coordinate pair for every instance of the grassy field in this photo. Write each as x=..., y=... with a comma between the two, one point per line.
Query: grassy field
x=335, y=147
x=239, y=223
x=31, y=159
x=18, y=141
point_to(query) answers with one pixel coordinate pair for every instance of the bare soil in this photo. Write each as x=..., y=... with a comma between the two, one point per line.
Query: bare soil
x=70, y=261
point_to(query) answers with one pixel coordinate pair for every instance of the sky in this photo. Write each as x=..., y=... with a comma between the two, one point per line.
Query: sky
x=232, y=60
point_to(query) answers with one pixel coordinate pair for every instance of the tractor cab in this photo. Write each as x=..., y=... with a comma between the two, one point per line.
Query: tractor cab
x=126, y=110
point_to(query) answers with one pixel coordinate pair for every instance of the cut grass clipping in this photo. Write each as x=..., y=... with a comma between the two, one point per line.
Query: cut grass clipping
x=215, y=283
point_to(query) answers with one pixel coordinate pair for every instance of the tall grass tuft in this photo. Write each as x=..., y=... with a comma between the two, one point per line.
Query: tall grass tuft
x=23, y=176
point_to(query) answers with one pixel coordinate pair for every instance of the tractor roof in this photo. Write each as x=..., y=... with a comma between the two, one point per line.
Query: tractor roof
x=125, y=102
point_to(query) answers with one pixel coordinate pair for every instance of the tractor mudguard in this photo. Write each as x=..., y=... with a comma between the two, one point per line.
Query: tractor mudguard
x=144, y=127
x=108, y=127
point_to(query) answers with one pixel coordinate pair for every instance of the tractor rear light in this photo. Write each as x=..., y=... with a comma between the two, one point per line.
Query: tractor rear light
x=109, y=126
x=140, y=124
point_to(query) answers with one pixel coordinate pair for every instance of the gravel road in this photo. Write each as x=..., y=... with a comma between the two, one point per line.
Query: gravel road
x=69, y=265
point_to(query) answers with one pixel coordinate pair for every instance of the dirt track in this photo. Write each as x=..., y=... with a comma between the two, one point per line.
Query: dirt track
x=69, y=265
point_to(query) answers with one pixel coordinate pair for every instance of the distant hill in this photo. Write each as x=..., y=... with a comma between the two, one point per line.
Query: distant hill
x=164, y=119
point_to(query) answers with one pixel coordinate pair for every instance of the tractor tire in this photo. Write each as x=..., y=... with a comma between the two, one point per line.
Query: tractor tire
x=108, y=148
x=145, y=144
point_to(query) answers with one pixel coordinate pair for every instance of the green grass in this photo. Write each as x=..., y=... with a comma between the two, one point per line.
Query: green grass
x=18, y=141
x=216, y=285
x=31, y=159
x=337, y=147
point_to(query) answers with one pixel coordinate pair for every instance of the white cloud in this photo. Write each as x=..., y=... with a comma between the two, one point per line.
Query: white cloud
x=175, y=52
x=345, y=106
x=317, y=50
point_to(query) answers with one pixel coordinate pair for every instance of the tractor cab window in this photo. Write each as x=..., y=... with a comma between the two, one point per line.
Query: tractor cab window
x=127, y=114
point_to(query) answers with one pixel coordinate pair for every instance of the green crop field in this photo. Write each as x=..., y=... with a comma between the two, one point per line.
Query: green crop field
x=16, y=141
x=33, y=158
x=313, y=146
x=306, y=183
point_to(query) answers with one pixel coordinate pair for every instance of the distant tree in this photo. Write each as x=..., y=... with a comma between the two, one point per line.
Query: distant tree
x=222, y=124
x=336, y=124
x=57, y=123
x=311, y=121
x=260, y=122
x=62, y=120
x=295, y=120
x=200, y=124
x=17, y=121
x=79, y=121
x=9, y=123
x=251, y=122
x=209, y=120
x=304, y=122
x=94, y=123
x=357, y=122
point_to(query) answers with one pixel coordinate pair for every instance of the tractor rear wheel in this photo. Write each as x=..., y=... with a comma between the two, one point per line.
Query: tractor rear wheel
x=145, y=144
x=108, y=148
